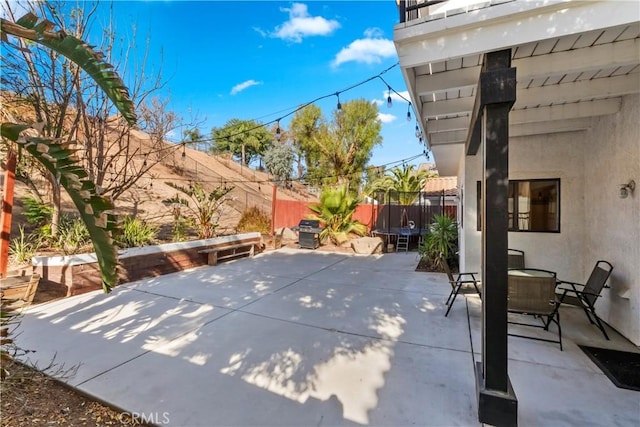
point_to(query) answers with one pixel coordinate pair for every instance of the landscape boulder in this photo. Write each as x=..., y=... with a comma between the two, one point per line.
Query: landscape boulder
x=367, y=245
x=287, y=234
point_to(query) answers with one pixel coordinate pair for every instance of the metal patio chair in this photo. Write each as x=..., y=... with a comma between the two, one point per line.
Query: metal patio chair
x=585, y=296
x=461, y=284
x=531, y=291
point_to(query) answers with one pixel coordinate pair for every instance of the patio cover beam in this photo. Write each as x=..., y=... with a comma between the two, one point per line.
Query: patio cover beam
x=574, y=110
x=516, y=130
x=551, y=94
x=497, y=402
x=605, y=56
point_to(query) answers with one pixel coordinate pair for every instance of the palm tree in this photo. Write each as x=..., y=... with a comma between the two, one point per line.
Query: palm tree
x=402, y=184
x=335, y=211
x=59, y=158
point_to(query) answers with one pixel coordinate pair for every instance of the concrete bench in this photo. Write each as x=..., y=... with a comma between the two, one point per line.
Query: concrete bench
x=227, y=252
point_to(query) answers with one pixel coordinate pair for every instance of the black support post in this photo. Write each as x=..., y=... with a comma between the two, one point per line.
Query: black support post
x=489, y=129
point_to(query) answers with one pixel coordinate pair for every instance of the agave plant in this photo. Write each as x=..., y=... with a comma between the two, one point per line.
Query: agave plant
x=335, y=211
x=59, y=158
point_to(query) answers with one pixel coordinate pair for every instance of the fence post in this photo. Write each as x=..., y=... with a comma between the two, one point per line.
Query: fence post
x=273, y=208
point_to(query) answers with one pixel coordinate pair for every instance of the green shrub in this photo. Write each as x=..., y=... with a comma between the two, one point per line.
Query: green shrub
x=253, y=219
x=23, y=247
x=136, y=232
x=179, y=229
x=73, y=235
x=35, y=211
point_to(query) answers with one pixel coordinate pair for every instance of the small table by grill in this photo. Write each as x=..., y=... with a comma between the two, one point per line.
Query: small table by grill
x=308, y=233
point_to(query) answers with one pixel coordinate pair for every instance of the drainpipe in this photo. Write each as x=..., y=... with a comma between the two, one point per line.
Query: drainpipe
x=5, y=216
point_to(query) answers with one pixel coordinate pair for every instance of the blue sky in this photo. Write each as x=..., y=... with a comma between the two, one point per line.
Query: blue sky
x=259, y=60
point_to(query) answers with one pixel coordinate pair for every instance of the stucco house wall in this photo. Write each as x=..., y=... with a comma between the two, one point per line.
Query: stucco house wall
x=613, y=224
x=594, y=222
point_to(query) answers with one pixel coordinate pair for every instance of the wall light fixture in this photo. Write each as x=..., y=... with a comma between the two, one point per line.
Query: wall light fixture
x=626, y=189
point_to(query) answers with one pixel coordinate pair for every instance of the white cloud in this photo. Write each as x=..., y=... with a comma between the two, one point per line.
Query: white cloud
x=301, y=24
x=371, y=49
x=244, y=85
x=394, y=97
x=386, y=118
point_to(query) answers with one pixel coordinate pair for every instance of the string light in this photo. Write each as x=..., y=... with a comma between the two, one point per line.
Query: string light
x=278, y=134
x=418, y=134
x=339, y=106
x=409, y=112
x=184, y=151
x=389, y=101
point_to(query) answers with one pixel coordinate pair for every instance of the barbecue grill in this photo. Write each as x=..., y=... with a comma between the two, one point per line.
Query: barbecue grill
x=309, y=233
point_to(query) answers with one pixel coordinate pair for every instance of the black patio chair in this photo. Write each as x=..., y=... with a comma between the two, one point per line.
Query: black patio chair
x=515, y=259
x=531, y=291
x=461, y=284
x=585, y=296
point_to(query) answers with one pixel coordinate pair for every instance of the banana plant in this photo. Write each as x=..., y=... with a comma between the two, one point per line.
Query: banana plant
x=58, y=157
x=206, y=207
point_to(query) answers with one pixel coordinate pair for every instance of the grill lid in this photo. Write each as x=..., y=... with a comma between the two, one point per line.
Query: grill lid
x=309, y=223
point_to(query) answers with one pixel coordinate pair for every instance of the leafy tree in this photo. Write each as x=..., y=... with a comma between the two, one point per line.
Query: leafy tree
x=335, y=211
x=244, y=139
x=205, y=207
x=194, y=136
x=305, y=125
x=68, y=105
x=338, y=151
x=55, y=155
x=403, y=184
x=279, y=162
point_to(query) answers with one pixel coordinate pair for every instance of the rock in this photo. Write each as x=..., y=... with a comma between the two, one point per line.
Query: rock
x=287, y=234
x=367, y=245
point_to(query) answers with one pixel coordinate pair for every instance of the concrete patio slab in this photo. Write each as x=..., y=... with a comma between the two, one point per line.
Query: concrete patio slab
x=229, y=288
x=101, y=331
x=298, y=337
x=367, y=310
x=245, y=369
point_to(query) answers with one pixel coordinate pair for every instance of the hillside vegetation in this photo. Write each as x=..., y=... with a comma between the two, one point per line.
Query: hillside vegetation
x=251, y=188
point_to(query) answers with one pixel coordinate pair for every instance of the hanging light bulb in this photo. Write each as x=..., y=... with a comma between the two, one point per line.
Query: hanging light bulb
x=389, y=101
x=409, y=113
x=418, y=133
x=184, y=151
x=339, y=106
x=278, y=134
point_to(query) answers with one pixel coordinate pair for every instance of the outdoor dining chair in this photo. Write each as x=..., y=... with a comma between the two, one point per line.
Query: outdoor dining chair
x=461, y=284
x=585, y=296
x=531, y=291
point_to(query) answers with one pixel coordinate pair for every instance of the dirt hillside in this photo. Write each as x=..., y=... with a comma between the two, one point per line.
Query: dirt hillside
x=250, y=187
